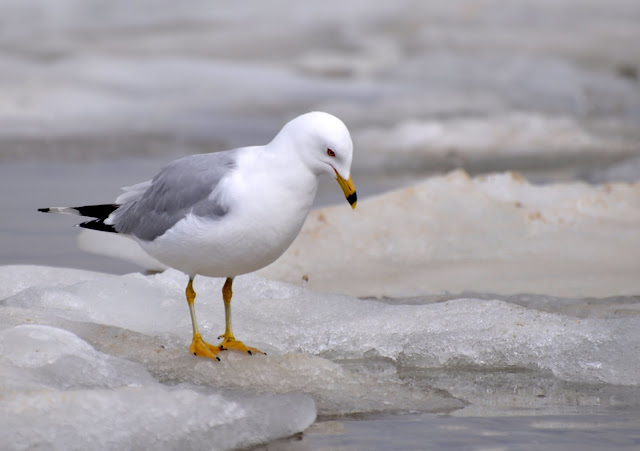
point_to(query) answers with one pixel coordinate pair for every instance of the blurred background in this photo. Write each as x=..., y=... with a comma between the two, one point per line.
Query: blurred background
x=541, y=333
x=97, y=95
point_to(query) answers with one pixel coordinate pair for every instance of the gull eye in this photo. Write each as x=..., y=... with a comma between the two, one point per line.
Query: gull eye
x=331, y=153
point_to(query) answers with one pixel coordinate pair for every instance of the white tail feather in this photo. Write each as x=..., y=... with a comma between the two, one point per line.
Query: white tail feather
x=63, y=210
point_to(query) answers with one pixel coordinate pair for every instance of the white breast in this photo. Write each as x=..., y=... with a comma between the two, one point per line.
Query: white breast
x=269, y=202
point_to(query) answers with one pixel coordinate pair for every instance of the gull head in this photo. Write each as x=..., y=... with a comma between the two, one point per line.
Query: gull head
x=324, y=145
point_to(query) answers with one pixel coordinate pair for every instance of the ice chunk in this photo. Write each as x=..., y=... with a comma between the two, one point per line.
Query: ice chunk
x=280, y=318
x=15, y=278
x=63, y=360
x=58, y=392
x=153, y=328
x=493, y=234
x=335, y=389
x=150, y=416
x=453, y=334
x=134, y=298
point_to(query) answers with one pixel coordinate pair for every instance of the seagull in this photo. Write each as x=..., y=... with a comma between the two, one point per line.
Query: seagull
x=228, y=213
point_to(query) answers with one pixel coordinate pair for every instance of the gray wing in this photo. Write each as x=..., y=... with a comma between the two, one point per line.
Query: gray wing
x=182, y=187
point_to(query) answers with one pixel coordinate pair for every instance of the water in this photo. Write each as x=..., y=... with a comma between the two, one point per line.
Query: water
x=98, y=96
x=424, y=431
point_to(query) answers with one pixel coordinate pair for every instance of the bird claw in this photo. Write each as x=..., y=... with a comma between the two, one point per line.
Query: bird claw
x=236, y=345
x=201, y=348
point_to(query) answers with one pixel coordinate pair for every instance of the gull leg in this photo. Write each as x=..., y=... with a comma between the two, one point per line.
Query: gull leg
x=198, y=346
x=230, y=341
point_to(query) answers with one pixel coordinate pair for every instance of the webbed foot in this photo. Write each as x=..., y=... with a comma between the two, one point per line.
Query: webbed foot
x=236, y=345
x=201, y=348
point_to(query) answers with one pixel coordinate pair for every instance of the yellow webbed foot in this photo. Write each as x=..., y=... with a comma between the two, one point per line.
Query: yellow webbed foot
x=236, y=345
x=201, y=348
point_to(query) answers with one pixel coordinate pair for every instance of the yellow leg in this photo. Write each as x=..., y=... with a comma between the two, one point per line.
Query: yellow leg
x=230, y=341
x=198, y=346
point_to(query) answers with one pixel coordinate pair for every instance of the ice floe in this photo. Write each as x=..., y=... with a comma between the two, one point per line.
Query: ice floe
x=58, y=392
x=493, y=234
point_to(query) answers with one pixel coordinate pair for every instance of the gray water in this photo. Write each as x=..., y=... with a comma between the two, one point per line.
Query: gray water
x=431, y=432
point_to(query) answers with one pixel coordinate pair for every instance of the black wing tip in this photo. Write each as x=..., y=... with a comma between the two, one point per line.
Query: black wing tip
x=44, y=210
x=97, y=211
x=97, y=224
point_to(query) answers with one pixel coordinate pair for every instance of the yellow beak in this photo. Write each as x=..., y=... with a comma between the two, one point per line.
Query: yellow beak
x=349, y=189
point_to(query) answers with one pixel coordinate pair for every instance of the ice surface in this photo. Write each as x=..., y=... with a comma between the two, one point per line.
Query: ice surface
x=493, y=234
x=64, y=360
x=58, y=392
x=150, y=324
x=102, y=360
x=16, y=278
x=281, y=319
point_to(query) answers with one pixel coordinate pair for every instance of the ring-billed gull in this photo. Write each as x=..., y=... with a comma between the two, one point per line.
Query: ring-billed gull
x=228, y=213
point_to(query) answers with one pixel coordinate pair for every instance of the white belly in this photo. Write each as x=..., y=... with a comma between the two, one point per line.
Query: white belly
x=251, y=236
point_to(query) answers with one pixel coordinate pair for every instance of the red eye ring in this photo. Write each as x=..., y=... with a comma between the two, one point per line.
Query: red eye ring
x=331, y=153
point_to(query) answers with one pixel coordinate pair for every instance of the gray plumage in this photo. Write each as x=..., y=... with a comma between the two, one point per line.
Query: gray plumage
x=182, y=187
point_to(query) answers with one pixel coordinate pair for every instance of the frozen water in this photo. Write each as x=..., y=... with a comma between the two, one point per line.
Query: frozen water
x=494, y=234
x=145, y=319
x=63, y=360
x=281, y=319
x=14, y=279
x=58, y=392
x=115, y=346
x=148, y=416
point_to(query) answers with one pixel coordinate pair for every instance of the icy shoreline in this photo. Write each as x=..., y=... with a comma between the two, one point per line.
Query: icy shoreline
x=84, y=354
x=70, y=339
